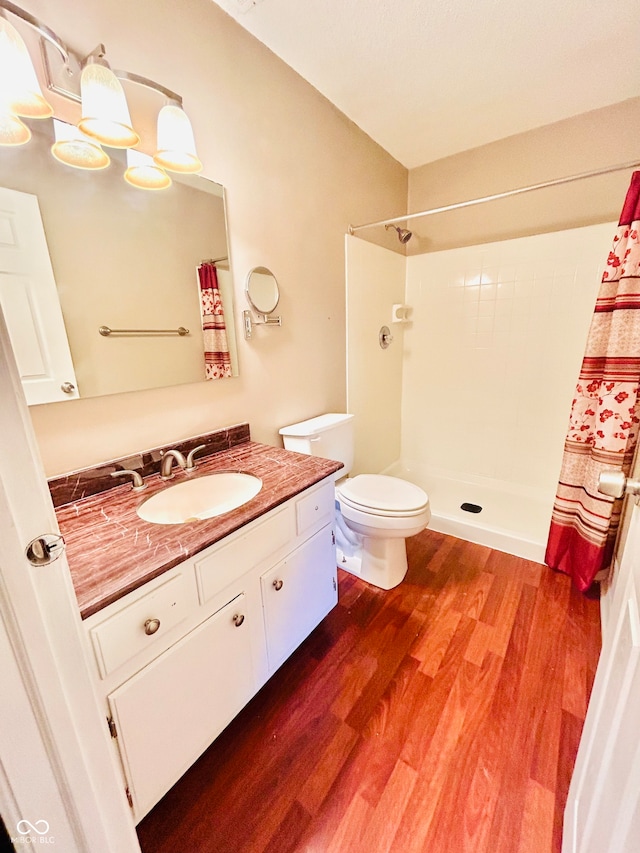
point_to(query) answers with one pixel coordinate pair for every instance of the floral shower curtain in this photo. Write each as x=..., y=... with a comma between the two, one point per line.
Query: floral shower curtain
x=217, y=360
x=603, y=424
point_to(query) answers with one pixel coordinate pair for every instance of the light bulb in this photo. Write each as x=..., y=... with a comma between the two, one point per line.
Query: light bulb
x=144, y=174
x=74, y=148
x=176, y=145
x=105, y=114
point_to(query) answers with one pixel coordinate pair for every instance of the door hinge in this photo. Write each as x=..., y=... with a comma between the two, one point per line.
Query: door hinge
x=335, y=587
x=113, y=731
x=333, y=537
x=129, y=797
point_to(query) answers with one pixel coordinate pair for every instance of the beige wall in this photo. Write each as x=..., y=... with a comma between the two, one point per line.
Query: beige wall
x=593, y=140
x=296, y=172
x=375, y=281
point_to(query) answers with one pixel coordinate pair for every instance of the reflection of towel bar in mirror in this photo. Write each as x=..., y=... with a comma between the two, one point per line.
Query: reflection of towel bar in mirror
x=105, y=331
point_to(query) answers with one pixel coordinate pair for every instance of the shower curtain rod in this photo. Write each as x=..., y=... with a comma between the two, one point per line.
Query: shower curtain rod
x=554, y=183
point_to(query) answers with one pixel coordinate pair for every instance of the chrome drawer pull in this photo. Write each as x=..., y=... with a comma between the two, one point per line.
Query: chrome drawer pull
x=151, y=626
x=277, y=585
x=238, y=619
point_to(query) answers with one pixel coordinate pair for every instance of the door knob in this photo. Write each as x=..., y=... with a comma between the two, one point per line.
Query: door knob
x=615, y=484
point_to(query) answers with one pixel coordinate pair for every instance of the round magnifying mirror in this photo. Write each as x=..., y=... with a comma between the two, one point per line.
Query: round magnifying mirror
x=262, y=290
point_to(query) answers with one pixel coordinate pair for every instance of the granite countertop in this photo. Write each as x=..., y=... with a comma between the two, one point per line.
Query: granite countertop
x=112, y=551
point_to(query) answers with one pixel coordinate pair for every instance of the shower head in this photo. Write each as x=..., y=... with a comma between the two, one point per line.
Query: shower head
x=404, y=235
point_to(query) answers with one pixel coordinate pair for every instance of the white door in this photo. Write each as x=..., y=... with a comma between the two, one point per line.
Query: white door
x=603, y=807
x=59, y=782
x=30, y=303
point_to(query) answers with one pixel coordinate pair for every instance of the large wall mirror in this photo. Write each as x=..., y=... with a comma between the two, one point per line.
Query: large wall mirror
x=123, y=258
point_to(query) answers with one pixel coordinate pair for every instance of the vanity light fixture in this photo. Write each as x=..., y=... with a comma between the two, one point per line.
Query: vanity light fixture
x=76, y=149
x=105, y=116
x=105, y=113
x=176, y=145
x=12, y=130
x=19, y=88
x=143, y=173
x=20, y=93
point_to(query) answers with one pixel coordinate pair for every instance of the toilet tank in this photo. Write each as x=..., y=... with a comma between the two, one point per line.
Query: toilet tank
x=329, y=436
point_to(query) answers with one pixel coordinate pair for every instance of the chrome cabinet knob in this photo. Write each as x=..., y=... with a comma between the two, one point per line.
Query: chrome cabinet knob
x=68, y=387
x=238, y=619
x=151, y=626
x=277, y=585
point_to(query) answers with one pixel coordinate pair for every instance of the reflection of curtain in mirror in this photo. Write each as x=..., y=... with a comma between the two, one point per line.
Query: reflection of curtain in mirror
x=217, y=360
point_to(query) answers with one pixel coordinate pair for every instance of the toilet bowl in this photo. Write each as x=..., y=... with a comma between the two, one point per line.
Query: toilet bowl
x=375, y=513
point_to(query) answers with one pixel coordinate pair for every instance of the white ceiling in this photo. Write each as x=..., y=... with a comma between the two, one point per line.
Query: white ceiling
x=429, y=78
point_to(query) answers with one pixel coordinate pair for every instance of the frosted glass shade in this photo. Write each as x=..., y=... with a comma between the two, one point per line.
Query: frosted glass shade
x=12, y=130
x=75, y=149
x=105, y=114
x=144, y=174
x=20, y=91
x=176, y=145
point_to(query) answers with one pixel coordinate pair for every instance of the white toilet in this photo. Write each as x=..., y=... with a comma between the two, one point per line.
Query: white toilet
x=374, y=513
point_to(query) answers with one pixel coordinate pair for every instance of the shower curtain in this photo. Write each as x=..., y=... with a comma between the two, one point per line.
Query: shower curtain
x=217, y=361
x=603, y=424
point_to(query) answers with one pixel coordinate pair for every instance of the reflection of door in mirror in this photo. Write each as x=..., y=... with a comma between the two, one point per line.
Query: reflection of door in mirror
x=30, y=302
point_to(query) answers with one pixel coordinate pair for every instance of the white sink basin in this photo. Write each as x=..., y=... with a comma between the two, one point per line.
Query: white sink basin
x=204, y=497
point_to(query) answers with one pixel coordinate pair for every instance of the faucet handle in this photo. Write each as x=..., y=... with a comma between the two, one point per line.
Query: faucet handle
x=138, y=482
x=191, y=465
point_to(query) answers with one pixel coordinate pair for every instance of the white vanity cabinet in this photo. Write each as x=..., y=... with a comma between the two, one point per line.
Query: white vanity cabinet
x=167, y=714
x=177, y=659
x=295, y=596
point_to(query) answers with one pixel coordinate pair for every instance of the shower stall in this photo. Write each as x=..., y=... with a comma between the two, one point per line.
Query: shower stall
x=471, y=399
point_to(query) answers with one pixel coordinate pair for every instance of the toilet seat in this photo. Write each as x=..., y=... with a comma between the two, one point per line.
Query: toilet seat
x=384, y=496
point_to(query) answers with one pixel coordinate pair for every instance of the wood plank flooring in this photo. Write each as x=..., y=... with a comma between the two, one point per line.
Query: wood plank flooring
x=442, y=716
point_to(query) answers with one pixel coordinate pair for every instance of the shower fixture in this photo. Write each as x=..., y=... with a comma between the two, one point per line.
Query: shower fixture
x=403, y=234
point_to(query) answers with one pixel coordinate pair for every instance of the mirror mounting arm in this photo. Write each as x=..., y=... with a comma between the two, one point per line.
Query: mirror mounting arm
x=249, y=322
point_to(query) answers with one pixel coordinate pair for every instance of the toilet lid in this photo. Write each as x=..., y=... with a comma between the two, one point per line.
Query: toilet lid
x=383, y=494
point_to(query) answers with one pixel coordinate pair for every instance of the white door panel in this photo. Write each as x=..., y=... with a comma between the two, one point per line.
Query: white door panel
x=30, y=303
x=603, y=807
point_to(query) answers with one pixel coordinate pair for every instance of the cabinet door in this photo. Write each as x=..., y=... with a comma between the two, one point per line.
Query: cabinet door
x=297, y=594
x=167, y=714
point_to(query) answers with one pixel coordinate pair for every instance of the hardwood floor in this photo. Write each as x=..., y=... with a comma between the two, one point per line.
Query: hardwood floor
x=440, y=716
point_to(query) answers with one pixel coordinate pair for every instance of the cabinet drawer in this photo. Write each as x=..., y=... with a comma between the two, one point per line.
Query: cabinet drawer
x=315, y=510
x=253, y=544
x=124, y=634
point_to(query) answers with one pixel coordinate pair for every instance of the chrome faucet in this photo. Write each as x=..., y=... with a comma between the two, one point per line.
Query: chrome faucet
x=187, y=464
x=167, y=461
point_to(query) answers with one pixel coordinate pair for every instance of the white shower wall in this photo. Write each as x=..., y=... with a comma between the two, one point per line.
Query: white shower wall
x=472, y=399
x=490, y=364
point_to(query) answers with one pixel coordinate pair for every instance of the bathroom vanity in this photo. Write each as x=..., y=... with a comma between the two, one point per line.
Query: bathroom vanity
x=185, y=623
